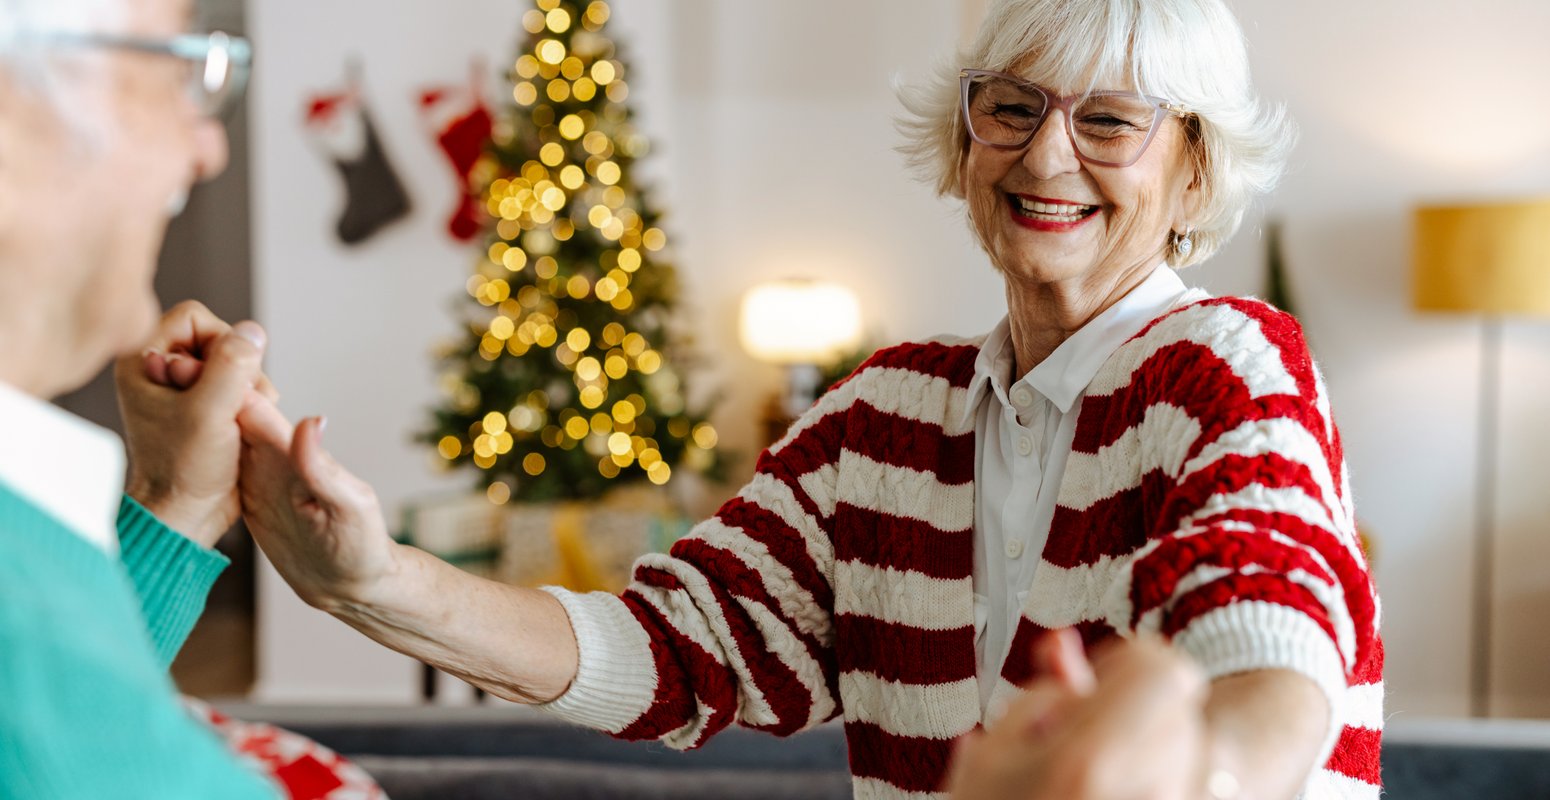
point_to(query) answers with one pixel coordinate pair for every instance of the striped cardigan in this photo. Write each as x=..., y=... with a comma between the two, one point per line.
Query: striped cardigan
x=1205, y=499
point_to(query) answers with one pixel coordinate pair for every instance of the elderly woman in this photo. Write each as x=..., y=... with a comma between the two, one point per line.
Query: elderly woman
x=1121, y=455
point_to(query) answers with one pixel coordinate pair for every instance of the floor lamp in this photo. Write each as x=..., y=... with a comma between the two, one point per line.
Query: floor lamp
x=1492, y=260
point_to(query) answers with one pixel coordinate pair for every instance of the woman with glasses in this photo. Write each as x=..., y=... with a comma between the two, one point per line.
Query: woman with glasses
x=1131, y=464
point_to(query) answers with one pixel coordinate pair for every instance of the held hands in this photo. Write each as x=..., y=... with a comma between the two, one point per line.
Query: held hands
x=1129, y=725
x=180, y=400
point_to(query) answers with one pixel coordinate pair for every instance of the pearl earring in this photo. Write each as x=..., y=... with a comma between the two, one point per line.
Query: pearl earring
x=1183, y=245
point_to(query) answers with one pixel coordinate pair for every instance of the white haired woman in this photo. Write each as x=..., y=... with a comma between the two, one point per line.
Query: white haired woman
x=1120, y=456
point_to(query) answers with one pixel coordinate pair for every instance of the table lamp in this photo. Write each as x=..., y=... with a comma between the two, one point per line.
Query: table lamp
x=801, y=325
x=1491, y=260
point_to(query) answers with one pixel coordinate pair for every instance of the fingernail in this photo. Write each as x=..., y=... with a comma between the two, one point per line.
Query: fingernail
x=150, y=351
x=322, y=426
x=251, y=331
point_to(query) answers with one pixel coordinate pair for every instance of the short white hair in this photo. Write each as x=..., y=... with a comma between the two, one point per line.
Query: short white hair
x=1190, y=52
x=22, y=22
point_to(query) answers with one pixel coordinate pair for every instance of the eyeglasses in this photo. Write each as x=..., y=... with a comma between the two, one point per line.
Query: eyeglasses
x=218, y=63
x=1108, y=129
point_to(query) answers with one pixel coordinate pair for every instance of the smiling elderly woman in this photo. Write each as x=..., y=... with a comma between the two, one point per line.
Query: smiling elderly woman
x=1121, y=455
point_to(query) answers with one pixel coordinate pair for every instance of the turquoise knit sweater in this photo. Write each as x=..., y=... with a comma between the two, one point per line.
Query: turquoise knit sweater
x=86, y=708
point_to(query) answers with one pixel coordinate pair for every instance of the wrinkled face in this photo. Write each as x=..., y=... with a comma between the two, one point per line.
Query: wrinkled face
x=88, y=191
x=1045, y=216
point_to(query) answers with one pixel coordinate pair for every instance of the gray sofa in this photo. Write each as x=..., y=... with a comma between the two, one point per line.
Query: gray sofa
x=486, y=753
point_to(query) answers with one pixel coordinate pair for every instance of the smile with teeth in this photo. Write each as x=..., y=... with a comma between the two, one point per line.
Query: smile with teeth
x=1053, y=212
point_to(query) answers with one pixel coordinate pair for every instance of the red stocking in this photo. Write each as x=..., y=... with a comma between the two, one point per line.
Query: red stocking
x=463, y=125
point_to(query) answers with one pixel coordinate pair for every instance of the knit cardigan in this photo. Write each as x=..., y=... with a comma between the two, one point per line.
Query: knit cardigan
x=1205, y=500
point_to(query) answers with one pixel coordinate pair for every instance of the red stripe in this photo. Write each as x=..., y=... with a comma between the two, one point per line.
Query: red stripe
x=1357, y=754
x=1233, y=473
x=788, y=698
x=784, y=542
x=1370, y=669
x=685, y=673
x=1242, y=588
x=884, y=540
x=911, y=763
x=901, y=442
x=1355, y=580
x=902, y=653
x=953, y=363
x=1114, y=526
x=1156, y=576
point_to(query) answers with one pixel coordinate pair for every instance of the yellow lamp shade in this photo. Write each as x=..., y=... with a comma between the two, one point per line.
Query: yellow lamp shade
x=1488, y=258
x=799, y=322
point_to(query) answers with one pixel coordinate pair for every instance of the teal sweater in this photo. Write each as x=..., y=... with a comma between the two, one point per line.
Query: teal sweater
x=86, y=708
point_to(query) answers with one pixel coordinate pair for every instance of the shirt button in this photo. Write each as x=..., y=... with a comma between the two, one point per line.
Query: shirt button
x=1024, y=446
x=1014, y=548
x=1021, y=397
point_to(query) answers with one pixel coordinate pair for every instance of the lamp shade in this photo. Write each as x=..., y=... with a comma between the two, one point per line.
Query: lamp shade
x=1488, y=258
x=799, y=322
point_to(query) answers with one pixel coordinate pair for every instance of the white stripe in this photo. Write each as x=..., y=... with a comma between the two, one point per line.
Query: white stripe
x=691, y=734
x=1279, y=436
x=776, y=496
x=794, y=654
x=917, y=396
x=819, y=486
x=677, y=606
x=1364, y=706
x=930, y=711
x=903, y=492
x=904, y=597
x=1326, y=784
x=1232, y=335
x=1256, y=497
x=795, y=602
x=874, y=789
x=1063, y=596
x=1161, y=440
x=835, y=401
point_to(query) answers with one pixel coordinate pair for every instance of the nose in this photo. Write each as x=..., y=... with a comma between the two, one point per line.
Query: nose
x=211, y=150
x=1051, y=152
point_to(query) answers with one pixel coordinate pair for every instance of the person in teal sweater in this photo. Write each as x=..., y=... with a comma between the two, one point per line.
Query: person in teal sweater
x=107, y=117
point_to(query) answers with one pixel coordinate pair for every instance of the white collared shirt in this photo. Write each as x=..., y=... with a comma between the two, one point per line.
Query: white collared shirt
x=1022, y=436
x=69, y=468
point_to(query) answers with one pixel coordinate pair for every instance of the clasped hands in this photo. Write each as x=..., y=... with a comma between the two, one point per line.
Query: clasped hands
x=207, y=445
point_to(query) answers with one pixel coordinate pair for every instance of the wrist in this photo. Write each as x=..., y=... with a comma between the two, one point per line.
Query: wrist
x=199, y=522
x=378, y=588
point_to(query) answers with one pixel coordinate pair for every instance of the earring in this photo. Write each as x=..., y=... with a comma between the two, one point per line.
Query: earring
x=1183, y=245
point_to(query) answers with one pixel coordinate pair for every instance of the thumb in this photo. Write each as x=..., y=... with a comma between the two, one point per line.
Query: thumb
x=1060, y=655
x=320, y=473
x=233, y=363
x=263, y=425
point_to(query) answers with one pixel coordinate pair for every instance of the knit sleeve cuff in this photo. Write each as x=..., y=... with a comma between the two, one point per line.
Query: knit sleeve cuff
x=171, y=573
x=1255, y=635
x=616, y=678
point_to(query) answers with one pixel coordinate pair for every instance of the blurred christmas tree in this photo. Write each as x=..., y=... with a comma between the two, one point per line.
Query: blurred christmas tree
x=564, y=385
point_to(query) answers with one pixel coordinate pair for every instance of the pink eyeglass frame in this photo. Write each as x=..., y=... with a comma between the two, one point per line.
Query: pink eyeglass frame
x=1053, y=101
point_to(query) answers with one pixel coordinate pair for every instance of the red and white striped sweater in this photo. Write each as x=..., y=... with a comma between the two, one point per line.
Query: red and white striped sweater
x=1205, y=499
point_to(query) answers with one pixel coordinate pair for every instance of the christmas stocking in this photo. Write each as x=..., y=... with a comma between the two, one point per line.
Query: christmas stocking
x=374, y=197
x=462, y=125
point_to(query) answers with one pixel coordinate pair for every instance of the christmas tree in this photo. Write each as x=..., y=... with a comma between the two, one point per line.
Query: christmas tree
x=563, y=385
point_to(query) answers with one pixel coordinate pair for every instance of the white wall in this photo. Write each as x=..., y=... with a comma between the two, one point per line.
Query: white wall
x=773, y=134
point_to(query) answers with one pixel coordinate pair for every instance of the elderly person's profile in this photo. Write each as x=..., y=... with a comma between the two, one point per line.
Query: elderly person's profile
x=1123, y=466
x=1104, y=550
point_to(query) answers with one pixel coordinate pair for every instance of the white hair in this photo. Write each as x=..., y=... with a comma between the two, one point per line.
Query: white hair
x=1190, y=52
x=24, y=22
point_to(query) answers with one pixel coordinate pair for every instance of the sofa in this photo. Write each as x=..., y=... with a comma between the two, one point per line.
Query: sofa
x=490, y=752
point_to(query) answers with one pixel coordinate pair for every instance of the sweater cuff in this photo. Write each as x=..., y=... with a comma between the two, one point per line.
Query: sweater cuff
x=1254, y=635
x=171, y=573
x=616, y=675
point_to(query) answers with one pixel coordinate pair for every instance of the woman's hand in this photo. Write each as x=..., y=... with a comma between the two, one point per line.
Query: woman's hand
x=321, y=526
x=179, y=401
x=1130, y=726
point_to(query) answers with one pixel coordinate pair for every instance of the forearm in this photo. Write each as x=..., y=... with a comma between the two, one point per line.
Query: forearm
x=1265, y=729
x=513, y=642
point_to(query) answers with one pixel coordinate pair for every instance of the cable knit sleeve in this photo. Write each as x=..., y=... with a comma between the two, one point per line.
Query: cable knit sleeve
x=736, y=623
x=1252, y=560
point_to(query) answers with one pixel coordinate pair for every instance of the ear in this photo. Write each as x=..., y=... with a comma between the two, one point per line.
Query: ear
x=1192, y=197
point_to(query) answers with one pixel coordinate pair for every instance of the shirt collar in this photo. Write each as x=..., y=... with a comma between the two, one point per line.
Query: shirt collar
x=69, y=468
x=1065, y=374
